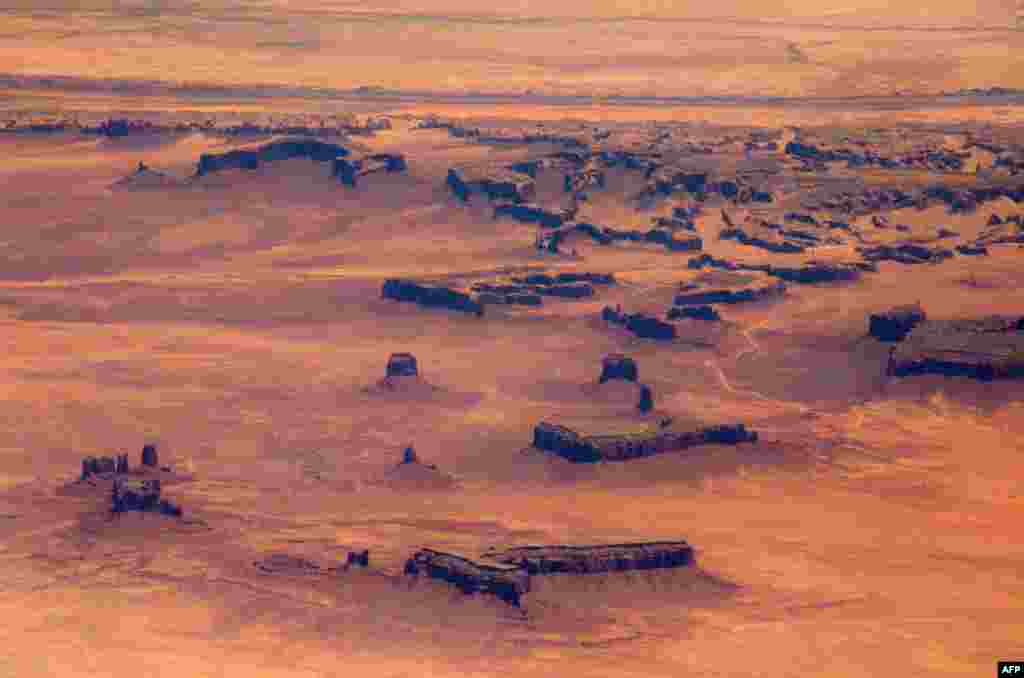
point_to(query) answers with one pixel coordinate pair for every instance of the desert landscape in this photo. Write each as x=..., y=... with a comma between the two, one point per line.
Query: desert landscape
x=600, y=340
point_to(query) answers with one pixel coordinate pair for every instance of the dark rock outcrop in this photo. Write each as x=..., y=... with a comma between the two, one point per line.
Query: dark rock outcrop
x=730, y=296
x=646, y=402
x=618, y=366
x=644, y=326
x=507, y=583
x=149, y=456
x=896, y=323
x=587, y=449
x=493, y=182
x=983, y=348
x=401, y=365
x=358, y=558
x=542, y=560
x=104, y=465
x=696, y=312
x=140, y=495
x=969, y=250
x=430, y=296
x=532, y=214
x=905, y=253
x=349, y=170
x=278, y=150
x=777, y=246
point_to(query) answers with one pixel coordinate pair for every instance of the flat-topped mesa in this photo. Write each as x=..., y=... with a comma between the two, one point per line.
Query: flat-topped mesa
x=896, y=323
x=731, y=296
x=672, y=243
x=431, y=296
x=981, y=348
x=507, y=583
x=821, y=272
x=810, y=273
x=140, y=495
x=401, y=365
x=644, y=326
x=529, y=213
x=276, y=150
x=587, y=449
x=706, y=313
x=541, y=560
x=566, y=278
x=496, y=183
x=348, y=170
x=906, y=253
x=776, y=246
x=618, y=366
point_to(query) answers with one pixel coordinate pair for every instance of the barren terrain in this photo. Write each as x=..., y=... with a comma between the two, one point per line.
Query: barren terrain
x=236, y=320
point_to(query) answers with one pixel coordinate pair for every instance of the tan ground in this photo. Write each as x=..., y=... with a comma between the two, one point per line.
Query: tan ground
x=875, y=530
x=860, y=47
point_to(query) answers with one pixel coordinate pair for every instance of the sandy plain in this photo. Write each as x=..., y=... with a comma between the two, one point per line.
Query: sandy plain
x=237, y=321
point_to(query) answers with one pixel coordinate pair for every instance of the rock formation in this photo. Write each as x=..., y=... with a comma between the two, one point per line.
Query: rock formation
x=646, y=403
x=730, y=296
x=348, y=170
x=429, y=296
x=584, y=449
x=495, y=183
x=896, y=323
x=707, y=313
x=401, y=365
x=529, y=213
x=777, y=246
x=140, y=495
x=149, y=456
x=541, y=560
x=644, y=326
x=507, y=583
x=358, y=558
x=618, y=366
x=983, y=348
x=278, y=150
x=905, y=253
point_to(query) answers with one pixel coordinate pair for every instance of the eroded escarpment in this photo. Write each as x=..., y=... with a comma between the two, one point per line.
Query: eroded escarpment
x=580, y=448
x=979, y=348
x=250, y=159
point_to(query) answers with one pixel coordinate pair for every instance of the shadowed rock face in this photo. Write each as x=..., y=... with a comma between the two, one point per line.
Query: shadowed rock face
x=541, y=560
x=278, y=150
x=696, y=312
x=358, y=558
x=981, y=348
x=99, y=465
x=494, y=182
x=905, y=253
x=586, y=449
x=401, y=365
x=140, y=495
x=349, y=170
x=618, y=366
x=646, y=403
x=729, y=296
x=896, y=323
x=781, y=247
x=644, y=326
x=810, y=273
x=533, y=214
x=507, y=583
x=424, y=295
